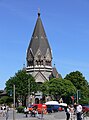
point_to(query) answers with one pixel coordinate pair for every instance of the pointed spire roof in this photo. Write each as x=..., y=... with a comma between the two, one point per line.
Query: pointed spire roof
x=39, y=40
x=55, y=73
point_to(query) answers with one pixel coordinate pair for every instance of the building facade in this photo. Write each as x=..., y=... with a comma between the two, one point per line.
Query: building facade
x=39, y=55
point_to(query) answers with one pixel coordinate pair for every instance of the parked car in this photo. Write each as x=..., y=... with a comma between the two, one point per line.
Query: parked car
x=52, y=108
x=85, y=108
x=49, y=108
x=61, y=108
x=40, y=108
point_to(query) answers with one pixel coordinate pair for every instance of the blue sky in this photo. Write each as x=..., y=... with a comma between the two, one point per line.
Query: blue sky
x=66, y=23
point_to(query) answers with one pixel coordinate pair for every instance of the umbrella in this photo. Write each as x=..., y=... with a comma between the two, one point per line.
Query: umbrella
x=63, y=104
x=52, y=103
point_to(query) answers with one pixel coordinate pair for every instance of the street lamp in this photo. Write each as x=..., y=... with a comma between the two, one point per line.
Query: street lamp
x=13, y=102
x=78, y=95
x=29, y=91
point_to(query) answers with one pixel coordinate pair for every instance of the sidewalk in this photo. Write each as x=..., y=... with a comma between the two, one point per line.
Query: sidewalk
x=51, y=116
x=18, y=116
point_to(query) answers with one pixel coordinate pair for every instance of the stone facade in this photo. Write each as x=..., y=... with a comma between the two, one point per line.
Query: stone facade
x=39, y=59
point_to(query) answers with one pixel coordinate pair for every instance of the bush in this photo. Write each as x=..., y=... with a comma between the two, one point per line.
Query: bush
x=20, y=109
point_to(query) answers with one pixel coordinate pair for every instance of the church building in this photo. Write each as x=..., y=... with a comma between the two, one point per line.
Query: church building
x=39, y=55
x=39, y=58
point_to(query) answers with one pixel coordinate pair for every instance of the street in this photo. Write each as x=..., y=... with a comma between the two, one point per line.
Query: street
x=22, y=116
x=51, y=116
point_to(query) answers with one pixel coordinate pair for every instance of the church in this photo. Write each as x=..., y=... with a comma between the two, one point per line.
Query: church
x=39, y=55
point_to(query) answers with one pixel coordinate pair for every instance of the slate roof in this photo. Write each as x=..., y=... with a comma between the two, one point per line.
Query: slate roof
x=39, y=40
x=55, y=73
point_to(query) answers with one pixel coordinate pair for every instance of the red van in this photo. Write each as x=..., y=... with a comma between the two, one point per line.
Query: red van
x=40, y=108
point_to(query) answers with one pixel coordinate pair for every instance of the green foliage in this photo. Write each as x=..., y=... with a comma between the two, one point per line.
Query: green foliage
x=6, y=100
x=77, y=79
x=69, y=88
x=24, y=83
x=61, y=87
x=45, y=88
x=81, y=84
x=58, y=87
x=84, y=101
x=20, y=109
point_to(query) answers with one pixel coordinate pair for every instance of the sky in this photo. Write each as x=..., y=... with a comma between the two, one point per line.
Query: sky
x=66, y=23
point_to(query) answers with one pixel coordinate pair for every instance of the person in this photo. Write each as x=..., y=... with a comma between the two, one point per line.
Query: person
x=79, y=112
x=75, y=105
x=67, y=110
x=7, y=115
x=26, y=111
x=34, y=111
x=1, y=111
x=71, y=112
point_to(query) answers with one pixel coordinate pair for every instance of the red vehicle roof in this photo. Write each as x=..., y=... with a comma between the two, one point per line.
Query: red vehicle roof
x=39, y=105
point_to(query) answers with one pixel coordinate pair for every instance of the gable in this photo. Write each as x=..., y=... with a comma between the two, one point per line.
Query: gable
x=39, y=77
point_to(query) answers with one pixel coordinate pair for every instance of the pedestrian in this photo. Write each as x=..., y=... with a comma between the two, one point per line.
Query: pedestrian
x=1, y=111
x=79, y=112
x=72, y=112
x=67, y=110
x=7, y=113
x=34, y=111
x=75, y=106
x=26, y=111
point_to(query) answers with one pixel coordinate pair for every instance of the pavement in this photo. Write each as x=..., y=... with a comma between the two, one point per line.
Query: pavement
x=22, y=116
x=50, y=116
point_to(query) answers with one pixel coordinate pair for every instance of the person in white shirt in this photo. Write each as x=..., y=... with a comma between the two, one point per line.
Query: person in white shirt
x=26, y=111
x=79, y=111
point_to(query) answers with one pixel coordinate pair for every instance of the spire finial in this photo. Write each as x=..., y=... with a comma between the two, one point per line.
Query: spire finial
x=38, y=12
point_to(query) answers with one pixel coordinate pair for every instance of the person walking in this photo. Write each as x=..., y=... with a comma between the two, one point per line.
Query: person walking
x=67, y=110
x=79, y=112
x=72, y=117
x=26, y=111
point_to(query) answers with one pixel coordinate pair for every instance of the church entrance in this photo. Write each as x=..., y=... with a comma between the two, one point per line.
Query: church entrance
x=37, y=101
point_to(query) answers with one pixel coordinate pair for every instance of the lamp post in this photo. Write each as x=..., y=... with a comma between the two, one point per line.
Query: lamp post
x=13, y=102
x=78, y=94
x=29, y=91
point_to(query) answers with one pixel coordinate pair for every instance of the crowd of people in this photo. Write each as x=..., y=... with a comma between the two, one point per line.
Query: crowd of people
x=33, y=112
x=72, y=111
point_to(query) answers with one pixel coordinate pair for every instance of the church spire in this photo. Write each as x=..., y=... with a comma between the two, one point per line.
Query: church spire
x=39, y=48
x=38, y=12
x=39, y=55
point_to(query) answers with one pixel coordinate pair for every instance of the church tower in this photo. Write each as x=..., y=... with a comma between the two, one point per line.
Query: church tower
x=39, y=54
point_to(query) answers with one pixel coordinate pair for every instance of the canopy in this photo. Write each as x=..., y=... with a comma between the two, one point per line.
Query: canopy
x=63, y=104
x=52, y=103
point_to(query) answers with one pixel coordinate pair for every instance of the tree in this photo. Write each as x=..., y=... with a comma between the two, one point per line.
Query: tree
x=5, y=100
x=70, y=90
x=58, y=88
x=45, y=88
x=24, y=83
x=80, y=83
